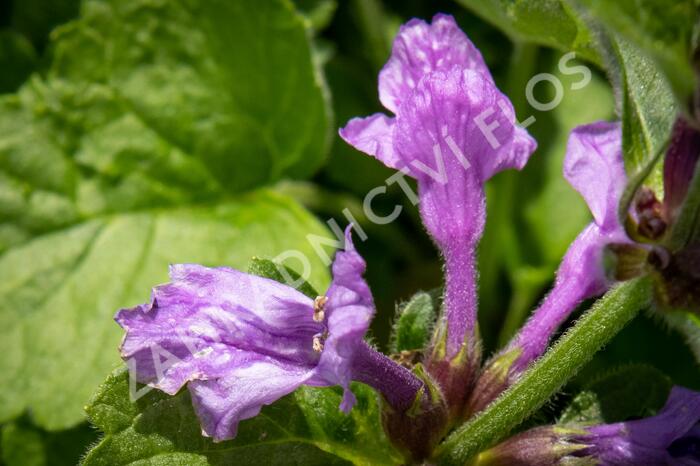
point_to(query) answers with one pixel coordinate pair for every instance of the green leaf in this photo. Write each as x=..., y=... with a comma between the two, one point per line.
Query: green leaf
x=662, y=30
x=302, y=428
x=231, y=85
x=553, y=23
x=415, y=322
x=273, y=270
x=59, y=291
x=24, y=444
x=628, y=392
x=648, y=112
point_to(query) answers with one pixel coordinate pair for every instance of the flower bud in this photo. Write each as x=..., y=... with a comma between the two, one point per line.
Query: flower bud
x=541, y=446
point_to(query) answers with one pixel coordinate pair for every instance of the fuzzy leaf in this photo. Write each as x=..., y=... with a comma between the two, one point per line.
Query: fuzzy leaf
x=224, y=82
x=304, y=428
x=415, y=322
x=648, y=112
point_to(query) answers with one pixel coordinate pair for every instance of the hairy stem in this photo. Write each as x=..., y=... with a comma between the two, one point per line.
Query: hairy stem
x=596, y=328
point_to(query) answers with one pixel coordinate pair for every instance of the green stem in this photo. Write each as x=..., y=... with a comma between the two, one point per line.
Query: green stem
x=595, y=329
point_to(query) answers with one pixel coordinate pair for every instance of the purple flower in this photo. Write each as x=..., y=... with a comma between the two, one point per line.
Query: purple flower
x=672, y=437
x=452, y=130
x=595, y=168
x=241, y=341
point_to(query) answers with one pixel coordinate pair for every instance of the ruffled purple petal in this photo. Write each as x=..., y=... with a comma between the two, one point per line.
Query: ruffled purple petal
x=646, y=441
x=350, y=308
x=240, y=394
x=243, y=341
x=209, y=319
x=420, y=48
x=595, y=168
x=440, y=134
x=374, y=135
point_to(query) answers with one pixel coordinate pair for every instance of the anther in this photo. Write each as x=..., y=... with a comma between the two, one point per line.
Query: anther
x=319, y=308
x=318, y=343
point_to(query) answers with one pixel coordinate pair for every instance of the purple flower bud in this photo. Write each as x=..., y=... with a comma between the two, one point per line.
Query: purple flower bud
x=452, y=130
x=540, y=446
x=241, y=341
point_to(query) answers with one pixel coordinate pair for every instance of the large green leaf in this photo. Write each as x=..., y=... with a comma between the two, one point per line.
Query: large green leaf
x=305, y=428
x=233, y=85
x=59, y=291
x=125, y=158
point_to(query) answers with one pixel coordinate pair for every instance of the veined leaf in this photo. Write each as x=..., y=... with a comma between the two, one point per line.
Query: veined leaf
x=648, y=112
x=304, y=428
x=231, y=84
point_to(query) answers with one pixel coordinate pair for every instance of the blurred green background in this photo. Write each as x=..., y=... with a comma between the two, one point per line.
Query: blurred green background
x=103, y=136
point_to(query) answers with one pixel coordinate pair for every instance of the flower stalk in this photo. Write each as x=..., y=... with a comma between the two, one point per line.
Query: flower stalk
x=596, y=328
